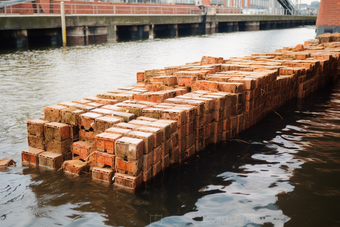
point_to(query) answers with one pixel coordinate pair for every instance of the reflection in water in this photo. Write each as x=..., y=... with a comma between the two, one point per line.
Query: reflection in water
x=280, y=172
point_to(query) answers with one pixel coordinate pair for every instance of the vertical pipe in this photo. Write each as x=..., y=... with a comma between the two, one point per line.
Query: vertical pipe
x=63, y=24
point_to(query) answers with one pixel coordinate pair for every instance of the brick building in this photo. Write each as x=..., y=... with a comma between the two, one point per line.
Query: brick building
x=328, y=20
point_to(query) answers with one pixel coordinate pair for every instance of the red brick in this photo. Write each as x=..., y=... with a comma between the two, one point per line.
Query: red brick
x=75, y=167
x=50, y=160
x=104, y=160
x=147, y=137
x=127, y=181
x=102, y=174
x=52, y=113
x=82, y=149
x=129, y=148
x=174, y=154
x=132, y=167
x=31, y=156
x=36, y=142
x=87, y=121
x=156, y=169
x=35, y=127
x=158, y=134
x=58, y=146
x=105, y=142
x=57, y=131
x=103, y=123
x=147, y=161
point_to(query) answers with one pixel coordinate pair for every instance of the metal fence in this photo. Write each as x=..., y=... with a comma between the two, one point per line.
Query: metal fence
x=27, y=8
x=92, y=8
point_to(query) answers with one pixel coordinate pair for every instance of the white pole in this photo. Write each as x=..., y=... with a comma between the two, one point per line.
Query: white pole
x=63, y=23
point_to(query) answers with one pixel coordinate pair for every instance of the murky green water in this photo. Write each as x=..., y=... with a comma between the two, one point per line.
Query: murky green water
x=286, y=174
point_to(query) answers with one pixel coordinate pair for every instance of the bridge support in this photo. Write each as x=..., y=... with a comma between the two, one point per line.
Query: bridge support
x=111, y=33
x=46, y=37
x=162, y=31
x=195, y=29
x=252, y=26
x=136, y=32
x=13, y=39
x=86, y=35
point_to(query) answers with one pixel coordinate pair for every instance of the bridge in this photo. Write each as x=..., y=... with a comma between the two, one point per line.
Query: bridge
x=90, y=22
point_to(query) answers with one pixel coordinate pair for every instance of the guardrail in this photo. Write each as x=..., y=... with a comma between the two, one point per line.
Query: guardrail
x=106, y=8
x=111, y=8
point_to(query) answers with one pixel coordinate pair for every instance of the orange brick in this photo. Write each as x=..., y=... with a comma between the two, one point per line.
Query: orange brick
x=36, y=142
x=75, y=167
x=147, y=137
x=156, y=169
x=190, y=152
x=31, y=156
x=103, y=123
x=186, y=80
x=133, y=167
x=86, y=135
x=70, y=115
x=102, y=174
x=129, y=182
x=157, y=153
x=58, y=146
x=52, y=113
x=158, y=134
x=129, y=148
x=81, y=101
x=87, y=121
x=140, y=77
x=50, y=160
x=165, y=161
x=147, y=175
x=190, y=140
x=35, y=127
x=82, y=149
x=174, y=153
x=178, y=115
x=105, y=142
x=121, y=131
x=104, y=160
x=147, y=161
x=57, y=131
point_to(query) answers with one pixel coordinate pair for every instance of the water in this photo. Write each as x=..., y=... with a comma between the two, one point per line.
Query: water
x=279, y=173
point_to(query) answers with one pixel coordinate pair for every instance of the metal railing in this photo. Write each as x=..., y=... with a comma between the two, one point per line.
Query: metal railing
x=106, y=8
x=275, y=11
x=118, y=9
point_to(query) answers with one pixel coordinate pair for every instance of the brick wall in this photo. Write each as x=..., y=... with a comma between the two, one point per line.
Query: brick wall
x=329, y=13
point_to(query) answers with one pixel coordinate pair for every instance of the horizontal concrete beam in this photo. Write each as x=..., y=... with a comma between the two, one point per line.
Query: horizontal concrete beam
x=17, y=22
x=246, y=18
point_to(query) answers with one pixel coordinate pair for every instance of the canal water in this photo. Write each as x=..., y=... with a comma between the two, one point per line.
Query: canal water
x=281, y=172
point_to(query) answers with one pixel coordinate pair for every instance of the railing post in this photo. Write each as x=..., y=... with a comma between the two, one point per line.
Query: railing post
x=161, y=10
x=114, y=9
x=37, y=6
x=75, y=9
x=147, y=10
x=131, y=10
x=63, y=23
x=11, y=9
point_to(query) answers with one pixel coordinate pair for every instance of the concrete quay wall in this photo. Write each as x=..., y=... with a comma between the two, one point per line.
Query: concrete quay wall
x=18, y=30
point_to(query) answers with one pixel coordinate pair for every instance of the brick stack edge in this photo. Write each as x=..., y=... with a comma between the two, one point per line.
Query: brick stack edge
x=130, y=135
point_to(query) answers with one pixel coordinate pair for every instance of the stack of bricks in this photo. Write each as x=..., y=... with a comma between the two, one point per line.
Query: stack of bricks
x=130, y=135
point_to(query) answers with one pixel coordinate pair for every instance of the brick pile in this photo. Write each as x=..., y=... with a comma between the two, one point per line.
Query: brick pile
x=130, y=135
